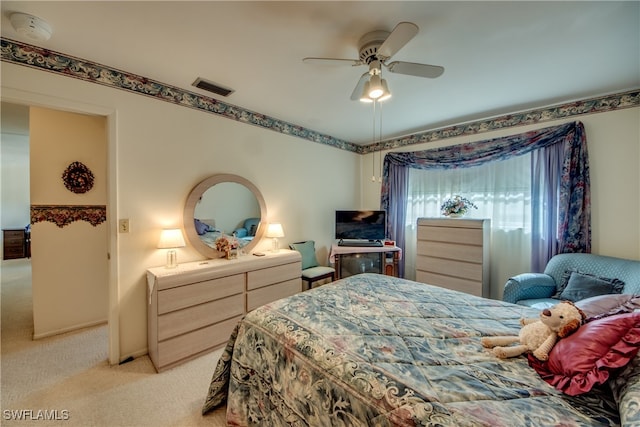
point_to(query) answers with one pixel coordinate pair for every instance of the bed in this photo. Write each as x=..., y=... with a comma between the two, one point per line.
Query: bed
x=373, y=350
x=208, y=233
x=209, y=238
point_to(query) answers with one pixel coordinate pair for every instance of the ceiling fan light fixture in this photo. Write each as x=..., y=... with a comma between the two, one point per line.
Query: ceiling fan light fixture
x=375, y=87
x=386, y=94
x=365, y=94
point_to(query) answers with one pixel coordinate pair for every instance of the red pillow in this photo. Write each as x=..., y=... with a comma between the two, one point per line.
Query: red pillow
x=588, y=356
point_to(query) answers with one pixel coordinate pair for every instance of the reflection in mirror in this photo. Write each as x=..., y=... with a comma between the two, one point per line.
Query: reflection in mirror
x=238, y=215
x=224, y=205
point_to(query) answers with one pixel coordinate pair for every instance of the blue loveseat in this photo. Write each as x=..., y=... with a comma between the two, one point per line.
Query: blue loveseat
x=537, y=289
x=248, y=229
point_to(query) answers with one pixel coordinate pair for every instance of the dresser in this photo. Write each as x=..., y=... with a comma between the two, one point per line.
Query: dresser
x=14, y=243
x=454, y=254
x=194, y=308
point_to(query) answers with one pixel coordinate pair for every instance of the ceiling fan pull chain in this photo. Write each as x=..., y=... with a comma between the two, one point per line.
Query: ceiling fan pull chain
x=373, y=154
x=380, y=176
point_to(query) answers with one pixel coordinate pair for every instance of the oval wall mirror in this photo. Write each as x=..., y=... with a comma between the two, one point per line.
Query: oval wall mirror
x=224, y=204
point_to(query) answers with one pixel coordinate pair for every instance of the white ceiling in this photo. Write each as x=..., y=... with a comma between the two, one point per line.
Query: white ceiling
x=499, y=57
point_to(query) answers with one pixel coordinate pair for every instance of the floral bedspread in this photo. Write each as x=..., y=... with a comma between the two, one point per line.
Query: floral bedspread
x=373, y=350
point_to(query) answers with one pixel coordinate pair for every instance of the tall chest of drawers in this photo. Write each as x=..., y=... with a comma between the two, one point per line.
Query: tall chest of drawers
x=14, y=243
x=194, y=307
x=454, y=254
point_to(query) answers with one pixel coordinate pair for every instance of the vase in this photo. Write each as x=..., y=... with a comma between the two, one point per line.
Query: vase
x=231, y=254
x=456, y=215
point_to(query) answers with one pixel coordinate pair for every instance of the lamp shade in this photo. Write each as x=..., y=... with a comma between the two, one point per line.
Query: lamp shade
x=275, y=230
x=365, y=93
x=385, y=92
x=375, y=87
x=171, y=238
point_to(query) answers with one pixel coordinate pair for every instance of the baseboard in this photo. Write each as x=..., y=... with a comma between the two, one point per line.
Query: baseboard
x=69, y=329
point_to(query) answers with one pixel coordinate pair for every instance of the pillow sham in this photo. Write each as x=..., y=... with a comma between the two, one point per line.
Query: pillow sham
x=590, y=355
x=201, y=227
x=608, y=305
x=586, y=284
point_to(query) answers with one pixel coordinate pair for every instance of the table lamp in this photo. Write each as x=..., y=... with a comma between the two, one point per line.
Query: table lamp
x=171, y=238
x=274, y=231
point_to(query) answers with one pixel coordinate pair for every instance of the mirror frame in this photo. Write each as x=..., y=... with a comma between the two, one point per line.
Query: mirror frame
x=194, y=197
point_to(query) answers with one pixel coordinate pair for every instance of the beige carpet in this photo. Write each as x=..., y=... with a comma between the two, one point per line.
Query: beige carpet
x=68, y=375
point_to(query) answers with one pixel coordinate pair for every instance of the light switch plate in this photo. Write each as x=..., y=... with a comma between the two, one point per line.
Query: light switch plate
x=123, y=225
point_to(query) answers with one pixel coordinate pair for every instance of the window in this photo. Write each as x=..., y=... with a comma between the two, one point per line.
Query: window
x=502, y=192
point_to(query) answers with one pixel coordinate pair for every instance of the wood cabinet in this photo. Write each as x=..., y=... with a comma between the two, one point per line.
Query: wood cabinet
x=454, y=254
x=350, y=260
x=194, y=307
x=14, y=243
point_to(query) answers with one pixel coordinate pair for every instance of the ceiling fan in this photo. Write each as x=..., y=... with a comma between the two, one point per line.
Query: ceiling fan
x=375, y=49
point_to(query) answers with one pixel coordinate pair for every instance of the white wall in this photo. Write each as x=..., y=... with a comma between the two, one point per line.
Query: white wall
x=613, y=141
x=159, y=152
x=69, y=263
x=14, y=169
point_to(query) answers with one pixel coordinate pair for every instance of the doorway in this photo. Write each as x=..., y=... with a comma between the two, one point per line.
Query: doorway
x=71, y=273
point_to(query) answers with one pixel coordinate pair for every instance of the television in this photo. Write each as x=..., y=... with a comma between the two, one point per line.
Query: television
x=360, y=225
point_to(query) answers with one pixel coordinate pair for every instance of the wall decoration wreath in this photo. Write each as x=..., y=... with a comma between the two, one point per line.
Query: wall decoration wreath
x=78, y=178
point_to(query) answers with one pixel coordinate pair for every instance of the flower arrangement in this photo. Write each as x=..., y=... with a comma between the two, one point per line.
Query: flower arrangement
x=226, y=245
x=223, y=244
x=457, y=206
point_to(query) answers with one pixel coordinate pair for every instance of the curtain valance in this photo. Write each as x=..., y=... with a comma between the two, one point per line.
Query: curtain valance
x=477, y=153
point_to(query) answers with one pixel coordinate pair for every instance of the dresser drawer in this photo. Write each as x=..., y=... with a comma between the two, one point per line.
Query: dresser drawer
x=14, y=251
x=267, y=294
x=189, y=345
x=13, y=235
x=198, y=293
x=447, y=267
x=459, y=252
x=181, y=321
x=465, y=236
x=268, y=276
x=454, y=283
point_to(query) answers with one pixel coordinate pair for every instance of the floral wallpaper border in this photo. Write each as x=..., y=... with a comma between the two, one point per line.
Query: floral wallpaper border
x=62, y=215
x=587, y=106
x=55, y=62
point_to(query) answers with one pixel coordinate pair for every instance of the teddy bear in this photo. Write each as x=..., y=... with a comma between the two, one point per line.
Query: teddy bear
x=538, y=336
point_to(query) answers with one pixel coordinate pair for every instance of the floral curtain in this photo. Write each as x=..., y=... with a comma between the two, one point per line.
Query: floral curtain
x=573, y=216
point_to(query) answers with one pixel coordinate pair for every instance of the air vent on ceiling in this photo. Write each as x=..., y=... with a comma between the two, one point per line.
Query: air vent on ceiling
x=212, y=87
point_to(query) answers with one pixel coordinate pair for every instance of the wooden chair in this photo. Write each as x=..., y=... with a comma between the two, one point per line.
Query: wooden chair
x=311, y=270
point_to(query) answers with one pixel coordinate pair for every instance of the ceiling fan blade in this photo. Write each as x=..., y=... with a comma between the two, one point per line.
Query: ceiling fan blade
x=332, y=61
x=413, y=69
x=357, y=91
x=401, y=34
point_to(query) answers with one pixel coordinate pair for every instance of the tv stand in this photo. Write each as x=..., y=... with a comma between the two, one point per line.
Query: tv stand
x=350, y=260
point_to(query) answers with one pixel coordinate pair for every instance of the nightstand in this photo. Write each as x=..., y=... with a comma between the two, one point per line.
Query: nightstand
x=14, y=243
